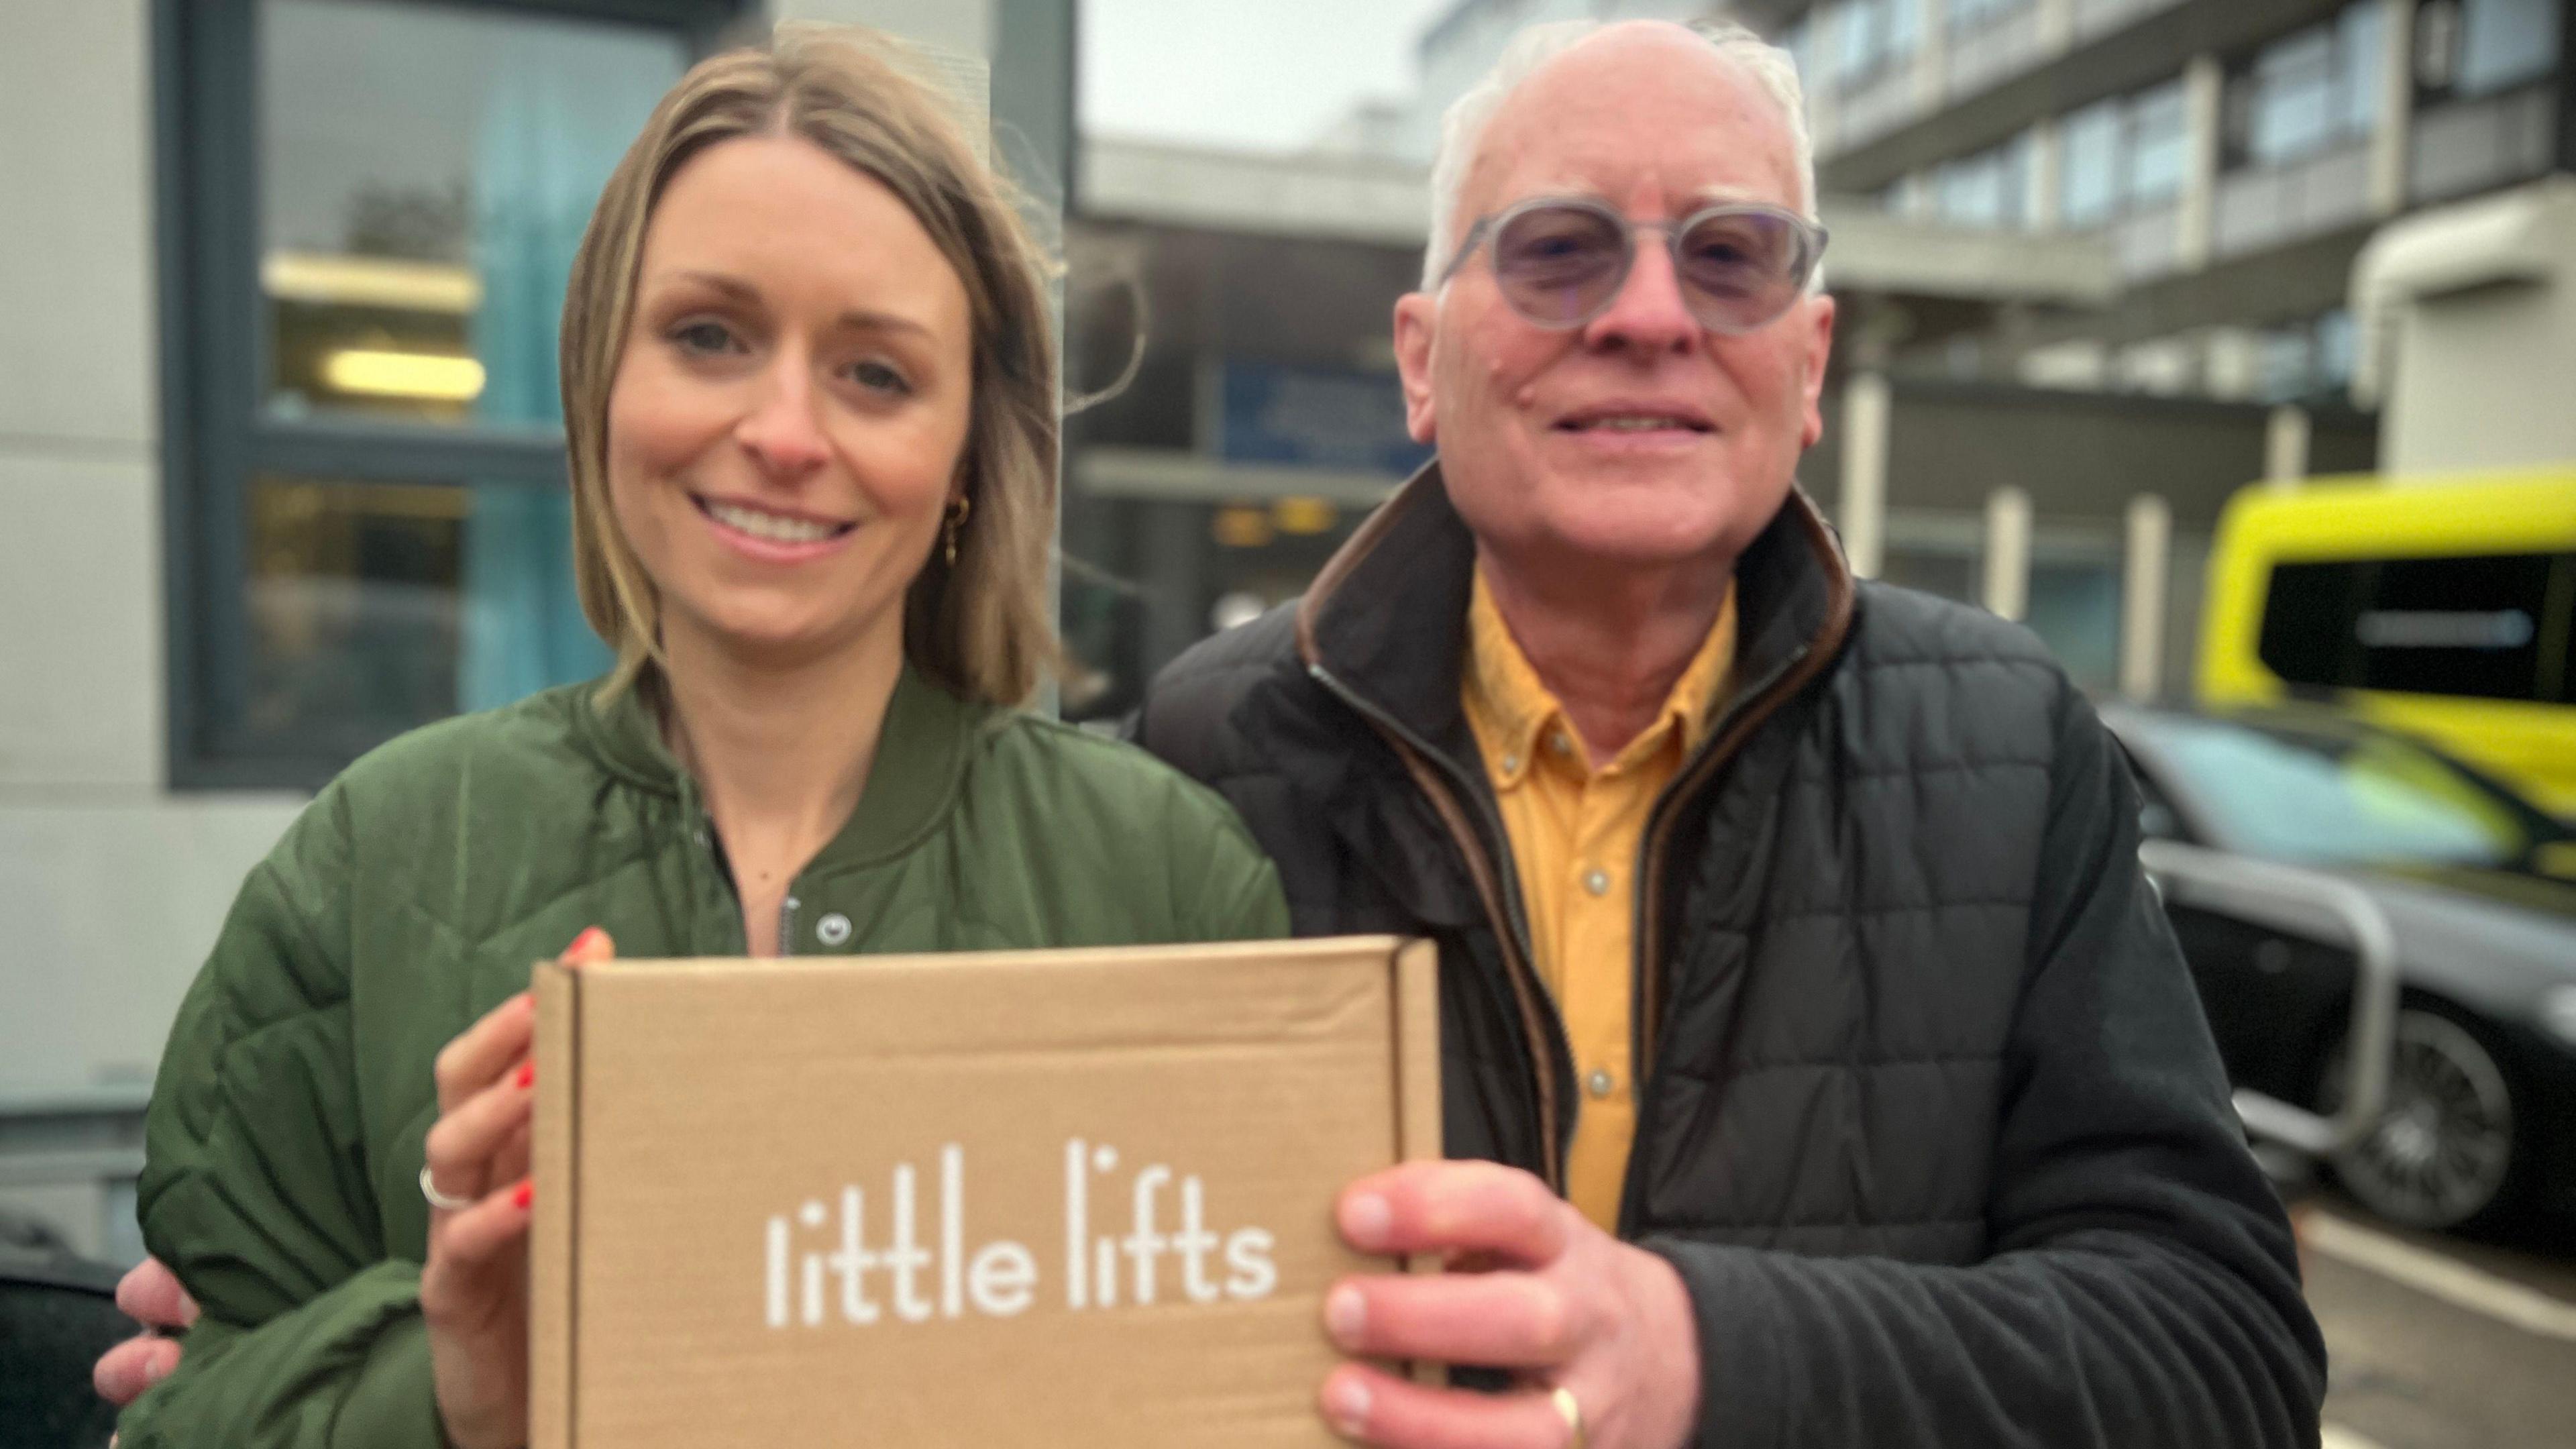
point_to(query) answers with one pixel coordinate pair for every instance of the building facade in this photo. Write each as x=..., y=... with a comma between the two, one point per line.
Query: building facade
x=279, y=440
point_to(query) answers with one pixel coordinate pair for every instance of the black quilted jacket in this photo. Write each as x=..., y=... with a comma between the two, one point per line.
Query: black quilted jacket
x=1929, y=1119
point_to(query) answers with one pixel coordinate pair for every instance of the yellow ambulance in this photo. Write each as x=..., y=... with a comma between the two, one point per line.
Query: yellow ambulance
x=2441, y=607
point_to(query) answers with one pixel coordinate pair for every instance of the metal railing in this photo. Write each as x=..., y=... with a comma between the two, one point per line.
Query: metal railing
x=2319, y=907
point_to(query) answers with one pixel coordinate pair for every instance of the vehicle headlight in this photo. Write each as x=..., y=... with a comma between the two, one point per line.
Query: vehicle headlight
x=2558, y=1013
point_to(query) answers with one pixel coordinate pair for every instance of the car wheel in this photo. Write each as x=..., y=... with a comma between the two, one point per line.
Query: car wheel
x=2445, y=1151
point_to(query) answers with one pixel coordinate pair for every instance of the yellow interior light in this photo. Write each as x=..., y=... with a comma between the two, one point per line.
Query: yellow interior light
x=347, y=281
x=1304, y=515
x=426, y=375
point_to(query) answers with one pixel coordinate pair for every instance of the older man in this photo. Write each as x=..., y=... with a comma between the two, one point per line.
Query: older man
x=1845, y=1083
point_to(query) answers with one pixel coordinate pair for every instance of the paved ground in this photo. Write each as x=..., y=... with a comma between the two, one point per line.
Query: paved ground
x=2441, y=1342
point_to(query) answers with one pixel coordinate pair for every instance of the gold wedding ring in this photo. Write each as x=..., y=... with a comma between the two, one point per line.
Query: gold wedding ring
x=1572, y=1413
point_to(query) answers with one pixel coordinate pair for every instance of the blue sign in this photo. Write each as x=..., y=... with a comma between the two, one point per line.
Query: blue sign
x=1314, y=417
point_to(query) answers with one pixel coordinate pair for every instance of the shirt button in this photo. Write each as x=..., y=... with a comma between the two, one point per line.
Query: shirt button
x=1597, y=881
x=1600, y=1082
x=833, y=929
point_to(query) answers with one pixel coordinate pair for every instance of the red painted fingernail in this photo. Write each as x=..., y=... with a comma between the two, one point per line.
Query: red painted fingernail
x=526, y=1194
x=527, y=1075
x=582, y=943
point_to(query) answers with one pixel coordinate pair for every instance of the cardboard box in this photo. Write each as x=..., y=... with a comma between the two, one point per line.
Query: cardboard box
x=1041, y=1198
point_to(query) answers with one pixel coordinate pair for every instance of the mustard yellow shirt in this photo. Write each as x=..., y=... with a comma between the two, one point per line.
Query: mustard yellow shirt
x=1574, y=834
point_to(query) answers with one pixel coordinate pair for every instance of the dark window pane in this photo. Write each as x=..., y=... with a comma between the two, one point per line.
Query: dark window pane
x=378, y=607
x=2468, y=626
x=353, y=610
x=2307, y=623
x=425, y=175
x=2075, y=609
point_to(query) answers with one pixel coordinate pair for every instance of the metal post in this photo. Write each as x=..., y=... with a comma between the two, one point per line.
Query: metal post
x=2285, y=446
x=2204, y=108
x=2048, y=176
x=2145, y=572
x=1868, y=404
x=2320, y=907
x=2008, y=553
x=2392, y=138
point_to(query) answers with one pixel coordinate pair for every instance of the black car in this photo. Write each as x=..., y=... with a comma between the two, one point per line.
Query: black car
x=2479, y=888
x=57, y=1315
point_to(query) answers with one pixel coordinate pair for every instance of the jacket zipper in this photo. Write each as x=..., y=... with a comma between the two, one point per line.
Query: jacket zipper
x=1734, y=727
x=787, y=923
x=1541, y=1023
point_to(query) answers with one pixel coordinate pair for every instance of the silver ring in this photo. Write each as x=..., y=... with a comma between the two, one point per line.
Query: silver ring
x=1572, y=1413
x=440, y=1200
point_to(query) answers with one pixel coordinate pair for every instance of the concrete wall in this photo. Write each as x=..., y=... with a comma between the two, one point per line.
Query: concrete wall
x=2482, y=379
x=111, y=888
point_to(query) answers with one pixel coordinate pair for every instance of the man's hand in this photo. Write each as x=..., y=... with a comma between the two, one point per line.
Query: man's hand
x=151, y=1296
x=1533, y=1286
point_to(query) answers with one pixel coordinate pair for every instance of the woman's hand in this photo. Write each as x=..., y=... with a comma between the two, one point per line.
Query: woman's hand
x=151, y=1296
x=474, y=1286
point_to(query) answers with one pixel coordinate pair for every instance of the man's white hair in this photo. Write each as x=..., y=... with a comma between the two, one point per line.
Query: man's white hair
x=1462, y=126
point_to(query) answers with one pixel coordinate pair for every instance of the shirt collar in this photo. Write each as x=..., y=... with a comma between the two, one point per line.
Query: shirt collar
x=1511, y=709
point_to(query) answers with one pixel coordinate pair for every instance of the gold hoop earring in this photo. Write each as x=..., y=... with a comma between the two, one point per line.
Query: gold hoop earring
x=958, y=508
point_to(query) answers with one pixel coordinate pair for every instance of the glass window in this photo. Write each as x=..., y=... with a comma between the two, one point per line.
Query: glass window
x=2317, y=800
x=2463, y=626
x=387, y=194
x=2361, y=41
x=355, y=606
x=1904, y=28
x=427, y=175
x=1874, y=35
x=1992, y=188
x=2090, y=146
x=2157, y=143
x=1976, y=14
x=2316, y=89
x=2074, y=607
x=2338, y=348
x=2506, y=42
x=2294, y=94
x=1860, y=28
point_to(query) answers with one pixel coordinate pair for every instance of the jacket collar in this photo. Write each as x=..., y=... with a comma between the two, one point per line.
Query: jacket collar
x=1387, y=617
x=920, y=764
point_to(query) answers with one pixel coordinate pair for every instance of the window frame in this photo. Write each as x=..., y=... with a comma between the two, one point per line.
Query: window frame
x=1972, y=17
x=217, y=435
x=213, y=336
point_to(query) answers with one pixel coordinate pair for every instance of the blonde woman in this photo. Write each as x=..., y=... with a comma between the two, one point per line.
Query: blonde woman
x=811, y=405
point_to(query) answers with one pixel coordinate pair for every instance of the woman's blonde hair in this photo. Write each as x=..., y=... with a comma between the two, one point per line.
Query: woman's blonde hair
x=980, y=626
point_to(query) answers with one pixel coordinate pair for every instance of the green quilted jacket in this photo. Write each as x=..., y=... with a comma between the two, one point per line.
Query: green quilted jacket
x=284, y=1137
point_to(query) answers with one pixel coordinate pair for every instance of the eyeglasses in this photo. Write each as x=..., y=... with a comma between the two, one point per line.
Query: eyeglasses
x=1560, y=262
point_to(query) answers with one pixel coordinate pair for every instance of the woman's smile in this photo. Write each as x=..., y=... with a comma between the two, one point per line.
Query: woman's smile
x=768, y=534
